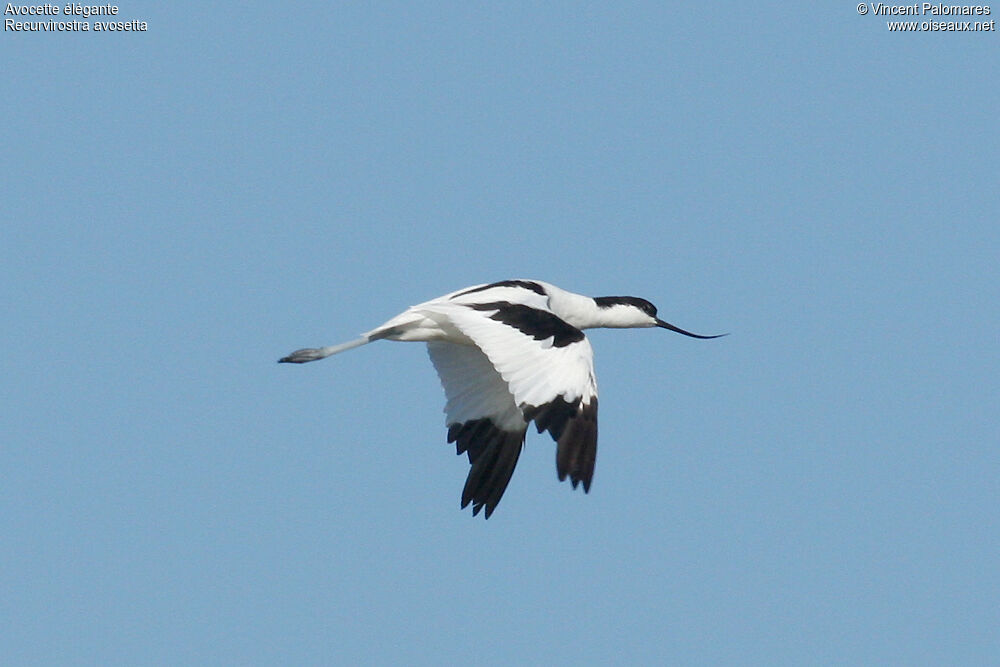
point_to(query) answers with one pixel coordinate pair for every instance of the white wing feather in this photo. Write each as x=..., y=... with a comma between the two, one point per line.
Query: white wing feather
x=535, y=371
x=472, y=386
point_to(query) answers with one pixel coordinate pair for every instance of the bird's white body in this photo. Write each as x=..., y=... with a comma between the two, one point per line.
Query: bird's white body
x=509, y=353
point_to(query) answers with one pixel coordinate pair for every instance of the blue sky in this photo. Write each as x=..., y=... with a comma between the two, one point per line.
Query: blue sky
x=185, y=205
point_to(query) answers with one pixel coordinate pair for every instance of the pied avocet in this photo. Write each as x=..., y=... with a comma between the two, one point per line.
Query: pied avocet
x=509, y=353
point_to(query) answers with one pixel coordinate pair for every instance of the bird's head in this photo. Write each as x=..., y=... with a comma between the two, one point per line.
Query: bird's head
x=628, y=312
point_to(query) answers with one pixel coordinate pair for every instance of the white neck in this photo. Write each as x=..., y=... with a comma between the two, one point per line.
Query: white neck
x=583, y=313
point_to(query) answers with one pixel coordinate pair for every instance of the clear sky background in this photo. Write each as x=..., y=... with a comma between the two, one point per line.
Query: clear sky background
x=183, y=206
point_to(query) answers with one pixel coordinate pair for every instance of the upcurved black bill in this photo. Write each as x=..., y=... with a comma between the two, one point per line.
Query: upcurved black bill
x=668, y=325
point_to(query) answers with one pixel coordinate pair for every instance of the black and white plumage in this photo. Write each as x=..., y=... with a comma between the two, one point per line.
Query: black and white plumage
x=509, y=353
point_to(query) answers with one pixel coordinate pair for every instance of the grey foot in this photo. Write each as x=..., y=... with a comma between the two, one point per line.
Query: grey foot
x=302, y=356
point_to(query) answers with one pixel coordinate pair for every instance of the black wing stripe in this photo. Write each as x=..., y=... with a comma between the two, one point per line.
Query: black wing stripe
x=539, y=324
x=526, y=284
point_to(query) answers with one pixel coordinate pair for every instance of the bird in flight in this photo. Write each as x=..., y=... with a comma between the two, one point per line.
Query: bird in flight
x=509, y=353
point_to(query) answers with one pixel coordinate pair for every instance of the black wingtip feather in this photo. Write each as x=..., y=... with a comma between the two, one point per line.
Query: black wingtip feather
x=576, y=451
x=552, y=416
x=573, y=425
x=493, y=454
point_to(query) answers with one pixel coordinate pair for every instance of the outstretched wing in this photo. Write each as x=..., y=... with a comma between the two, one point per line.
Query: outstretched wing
x=548, y=367
x=483, y=421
